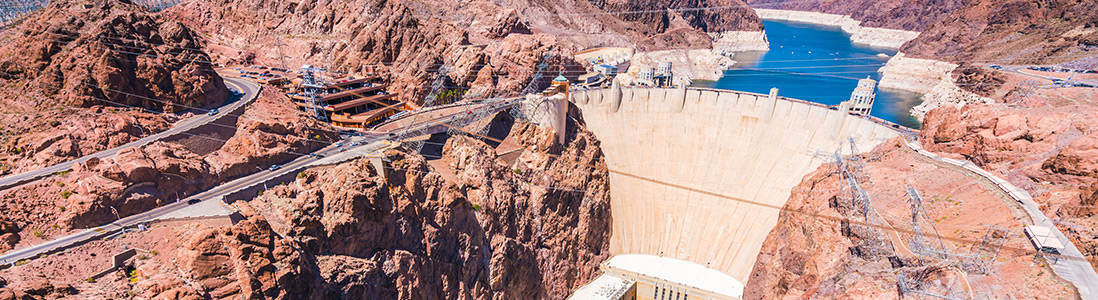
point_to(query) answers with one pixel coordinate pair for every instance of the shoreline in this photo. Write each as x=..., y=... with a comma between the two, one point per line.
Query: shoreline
x=870, y=36
x=931, y=78
x=700, y=64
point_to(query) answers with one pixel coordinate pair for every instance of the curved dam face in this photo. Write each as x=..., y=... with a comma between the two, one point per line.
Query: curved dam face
x=700, y=175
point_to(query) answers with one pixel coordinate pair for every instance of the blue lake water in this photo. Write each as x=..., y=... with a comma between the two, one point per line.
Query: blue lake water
x=818, y=64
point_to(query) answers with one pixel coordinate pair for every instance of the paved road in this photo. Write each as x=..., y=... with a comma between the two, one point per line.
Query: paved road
x=1073, y=267
x=364, y=145
x=249, y=89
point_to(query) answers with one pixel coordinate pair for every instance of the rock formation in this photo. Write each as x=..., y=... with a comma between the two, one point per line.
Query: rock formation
x=98, y=191
x=491, y=48
x=110, y=53
x=492, y=230
x=1018, y=32
x=83, y=76
x=1048, y=151
x=823, y=249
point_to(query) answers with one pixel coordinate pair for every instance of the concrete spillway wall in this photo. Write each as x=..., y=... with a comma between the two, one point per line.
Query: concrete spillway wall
x=700, y=175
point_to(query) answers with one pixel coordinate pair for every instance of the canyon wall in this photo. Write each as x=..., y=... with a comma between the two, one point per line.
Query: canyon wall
x=871, y=36
x=700, y=174
x=823, y=249
x=1002, y=32
x=491, y=47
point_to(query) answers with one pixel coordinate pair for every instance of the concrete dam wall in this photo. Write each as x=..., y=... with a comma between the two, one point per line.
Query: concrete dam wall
x=700, y=175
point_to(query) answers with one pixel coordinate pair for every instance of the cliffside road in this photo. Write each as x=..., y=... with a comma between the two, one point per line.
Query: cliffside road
x=214, y=194
x=250, y=91
x=1074, y=268
x=365, y=145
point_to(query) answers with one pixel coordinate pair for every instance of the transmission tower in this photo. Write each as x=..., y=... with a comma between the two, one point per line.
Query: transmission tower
x=429, y=101
x=933, y=249
x=1025, y=89
x=866, y=223
x=312, y=87
x=532, y=87
x=919, y=221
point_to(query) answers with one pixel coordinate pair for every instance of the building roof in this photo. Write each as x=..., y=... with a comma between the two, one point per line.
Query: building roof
x=678, y=271
x=604, y=287
x=560, y=78
x=1044, y=237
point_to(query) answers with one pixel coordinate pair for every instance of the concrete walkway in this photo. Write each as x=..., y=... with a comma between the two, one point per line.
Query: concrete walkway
x=1072, y=266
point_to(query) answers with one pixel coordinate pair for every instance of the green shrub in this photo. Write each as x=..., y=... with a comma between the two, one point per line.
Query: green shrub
x=37, y=233
x=90, y=280
x=476, y=207
x=60, y=184
x=62, y=208
x=301, y=175
x=154, y=252
x=66, y=193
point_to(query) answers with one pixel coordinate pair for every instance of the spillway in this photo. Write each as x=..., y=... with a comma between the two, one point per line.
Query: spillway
x=700, y=174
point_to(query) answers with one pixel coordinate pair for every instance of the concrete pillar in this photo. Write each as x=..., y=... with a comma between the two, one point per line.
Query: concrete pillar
x=838, y=121
x=561, y=118
x=679, y=97
x=845, y=106
x=379, y=165
x=768, y=105
x=615, y=96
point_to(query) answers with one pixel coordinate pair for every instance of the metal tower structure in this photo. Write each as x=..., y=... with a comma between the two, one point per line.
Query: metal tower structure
x=920, y=221
x=927, y=243
x=312, y=87
x=865, y=223
x=515, y=111
x=436, y=88
x=532, y=87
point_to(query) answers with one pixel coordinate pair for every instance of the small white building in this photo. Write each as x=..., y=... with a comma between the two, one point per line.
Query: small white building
x=1044, y=240
x=646, y=75
x=649, y=277
x=663, y=68
x=861, y=100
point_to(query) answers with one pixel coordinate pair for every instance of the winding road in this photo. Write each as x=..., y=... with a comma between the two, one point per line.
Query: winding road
x=364, y=145
x=250, y=91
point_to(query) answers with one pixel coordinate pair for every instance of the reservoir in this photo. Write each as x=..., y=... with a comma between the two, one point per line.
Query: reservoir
x=818, y=64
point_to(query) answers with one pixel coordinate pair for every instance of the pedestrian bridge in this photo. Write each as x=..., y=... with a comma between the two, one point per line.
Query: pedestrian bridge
x=701, y=174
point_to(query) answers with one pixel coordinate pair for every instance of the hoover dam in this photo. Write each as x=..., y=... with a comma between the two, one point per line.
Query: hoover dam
x=700, y=175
